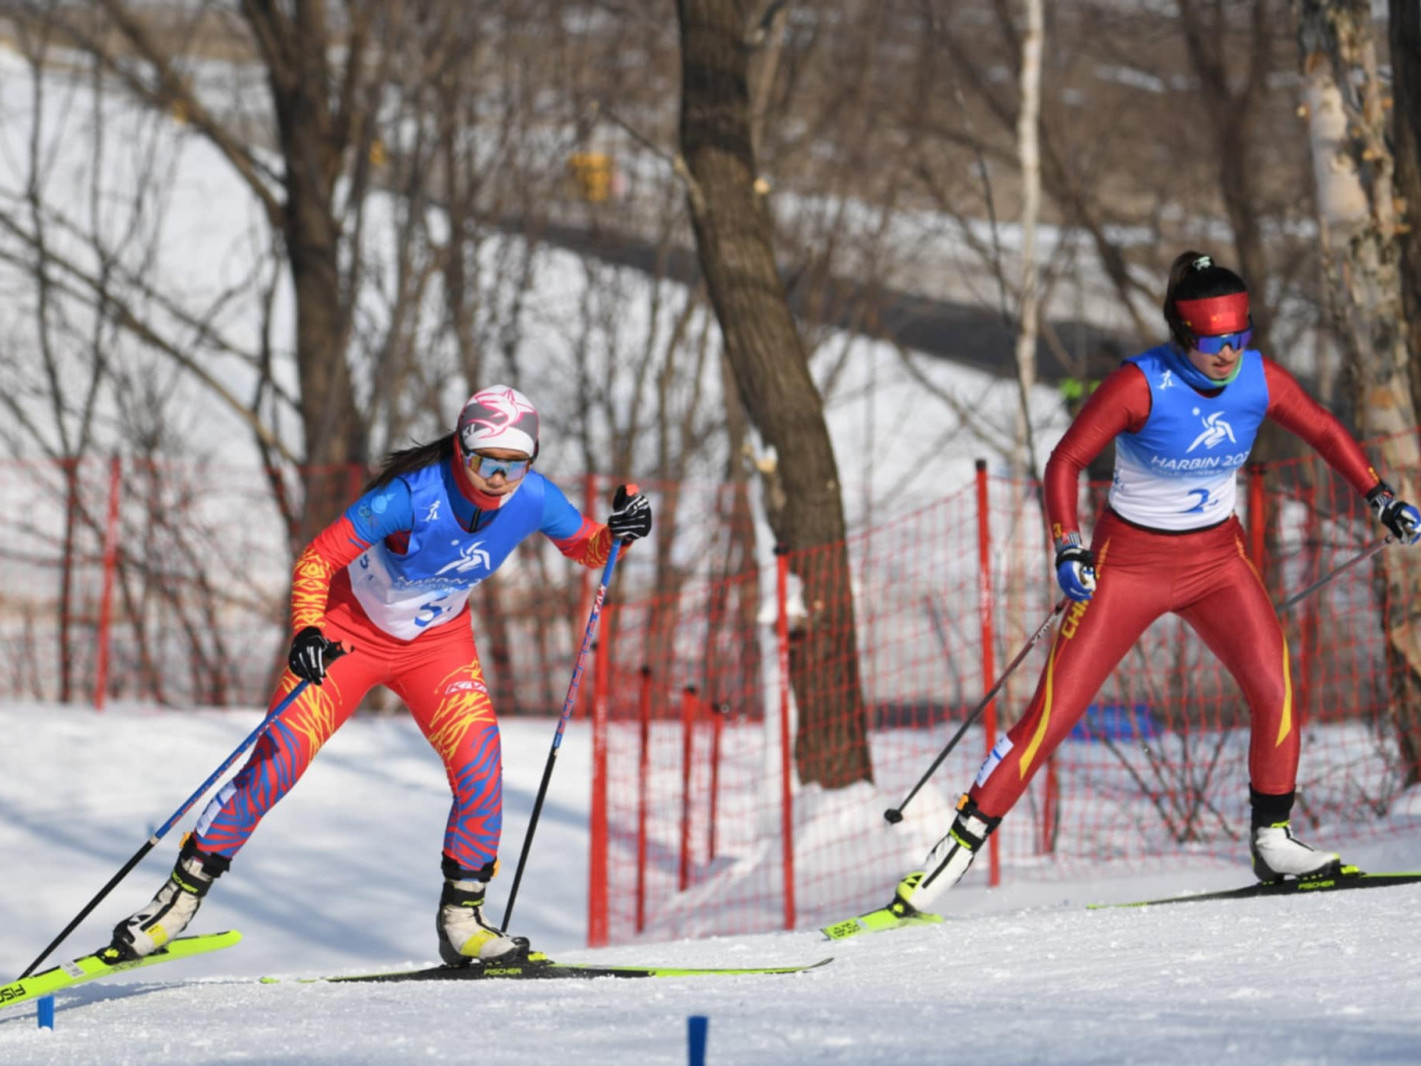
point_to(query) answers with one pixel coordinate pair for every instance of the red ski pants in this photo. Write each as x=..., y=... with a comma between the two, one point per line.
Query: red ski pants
x=1205, y=577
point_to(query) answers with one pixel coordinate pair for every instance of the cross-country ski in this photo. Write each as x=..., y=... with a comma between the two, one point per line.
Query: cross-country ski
x=877, y=921
x=94, y=966
x=541, y=968
x=1349, y=878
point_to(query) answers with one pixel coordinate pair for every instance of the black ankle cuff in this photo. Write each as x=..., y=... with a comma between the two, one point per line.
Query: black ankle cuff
x=454, y=872
x=213, y=866
x=967, y=808
x=1270, y=809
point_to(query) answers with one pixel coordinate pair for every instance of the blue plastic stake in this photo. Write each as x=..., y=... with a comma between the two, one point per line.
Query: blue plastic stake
x=46, y=1012
x=696, y=1026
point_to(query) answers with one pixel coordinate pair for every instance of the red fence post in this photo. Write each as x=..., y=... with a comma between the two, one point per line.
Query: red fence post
x=717, y=728
x=597, y=918
x=1308, y=621
x=643, y=774
x=688, y=734
x=101, y=666
x=989, y=663
x=786, y=792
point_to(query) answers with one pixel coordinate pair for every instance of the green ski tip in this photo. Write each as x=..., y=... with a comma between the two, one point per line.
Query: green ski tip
x=879, y=921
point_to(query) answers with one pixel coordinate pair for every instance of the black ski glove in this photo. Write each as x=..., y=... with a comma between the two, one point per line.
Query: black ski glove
x=1401, y=519
x=311, y=653
x=631, y=514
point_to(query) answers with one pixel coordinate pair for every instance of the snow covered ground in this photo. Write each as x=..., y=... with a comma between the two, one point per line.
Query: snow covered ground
x=343, y=877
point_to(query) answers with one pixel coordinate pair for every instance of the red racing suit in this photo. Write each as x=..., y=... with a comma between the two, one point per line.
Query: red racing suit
x=1196, y=568
x=390, y=579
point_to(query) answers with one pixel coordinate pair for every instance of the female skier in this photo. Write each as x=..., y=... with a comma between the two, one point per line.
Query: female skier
x=391, y=578
x=1183, y=417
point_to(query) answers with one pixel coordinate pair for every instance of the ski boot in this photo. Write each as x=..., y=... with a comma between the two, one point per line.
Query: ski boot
x=947, y=862
x=169, y=912
x=464, y=936
x=1275, y=851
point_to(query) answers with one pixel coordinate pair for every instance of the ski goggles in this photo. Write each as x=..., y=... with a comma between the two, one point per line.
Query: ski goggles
x=1238, y=341
x=486, y=466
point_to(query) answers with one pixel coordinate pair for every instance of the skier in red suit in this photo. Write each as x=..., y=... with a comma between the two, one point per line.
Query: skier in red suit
x=391, y=579
x=1183, y=417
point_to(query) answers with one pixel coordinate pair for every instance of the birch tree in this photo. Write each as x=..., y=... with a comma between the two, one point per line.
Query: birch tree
x=1404, y=33
x=1029, y=154
x=1359, y=233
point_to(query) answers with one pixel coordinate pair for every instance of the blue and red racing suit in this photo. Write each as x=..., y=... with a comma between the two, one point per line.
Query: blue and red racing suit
x=1169, y=542
x=391, y=578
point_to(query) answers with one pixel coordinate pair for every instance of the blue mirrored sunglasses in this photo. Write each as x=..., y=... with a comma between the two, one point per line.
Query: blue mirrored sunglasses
x=1214, y=345
x=486, y=466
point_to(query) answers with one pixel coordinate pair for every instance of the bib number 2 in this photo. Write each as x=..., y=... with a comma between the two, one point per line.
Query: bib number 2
x=1203, y=495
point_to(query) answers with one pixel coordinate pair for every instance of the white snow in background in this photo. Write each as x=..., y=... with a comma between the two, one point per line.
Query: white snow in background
x=343, y=877
x=895, y=442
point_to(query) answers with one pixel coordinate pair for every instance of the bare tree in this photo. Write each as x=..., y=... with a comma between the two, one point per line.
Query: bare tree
x=736, y=251
x=1404, y=32
x=1353, y=166
x=418, y=217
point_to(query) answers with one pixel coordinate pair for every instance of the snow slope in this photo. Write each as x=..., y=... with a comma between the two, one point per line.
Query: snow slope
x=343, y=877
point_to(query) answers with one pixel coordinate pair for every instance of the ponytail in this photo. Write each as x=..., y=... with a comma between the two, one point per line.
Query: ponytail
x=408, y=460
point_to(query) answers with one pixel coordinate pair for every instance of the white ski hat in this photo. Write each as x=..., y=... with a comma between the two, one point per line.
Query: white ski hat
x=498, y=417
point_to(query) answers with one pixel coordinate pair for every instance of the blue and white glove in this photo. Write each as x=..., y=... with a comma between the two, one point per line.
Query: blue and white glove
x=1075, y=570
x=1401, y=519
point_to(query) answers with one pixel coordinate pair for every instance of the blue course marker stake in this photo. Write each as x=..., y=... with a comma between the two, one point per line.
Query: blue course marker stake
x=46, y=1012
x=696, y=1026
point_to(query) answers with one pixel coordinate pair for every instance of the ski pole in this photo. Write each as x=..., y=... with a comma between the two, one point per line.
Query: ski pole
x=334, y=652
x=1361, y=556
x=567, y=706
x=894, y=815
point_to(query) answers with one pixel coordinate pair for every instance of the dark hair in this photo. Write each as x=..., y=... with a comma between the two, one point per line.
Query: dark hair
x=408, y=460
x=1195, y=276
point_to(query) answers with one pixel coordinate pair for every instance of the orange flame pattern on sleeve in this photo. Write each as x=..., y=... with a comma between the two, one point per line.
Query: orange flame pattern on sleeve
x=590, y=546
x=310, y=588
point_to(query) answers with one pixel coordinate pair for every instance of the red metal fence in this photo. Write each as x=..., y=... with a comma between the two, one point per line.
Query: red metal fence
x=169, y=585
x=703, y=827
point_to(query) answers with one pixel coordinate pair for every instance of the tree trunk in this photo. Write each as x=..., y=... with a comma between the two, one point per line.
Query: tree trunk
x=313, y=144
x=1352, y=162
x=735, y=248
x=1404, y=23
x=1023, y=559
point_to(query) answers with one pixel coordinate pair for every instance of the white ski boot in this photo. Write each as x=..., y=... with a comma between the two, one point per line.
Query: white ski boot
x=170, y=911
x=1278, y=854
x=464, y=936
x=947, y=862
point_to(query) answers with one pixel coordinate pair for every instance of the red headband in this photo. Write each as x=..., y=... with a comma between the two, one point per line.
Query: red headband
x=1214, y=315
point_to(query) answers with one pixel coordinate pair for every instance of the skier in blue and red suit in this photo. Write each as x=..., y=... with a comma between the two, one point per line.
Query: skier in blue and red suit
x=391, y=579
x=1183, y=416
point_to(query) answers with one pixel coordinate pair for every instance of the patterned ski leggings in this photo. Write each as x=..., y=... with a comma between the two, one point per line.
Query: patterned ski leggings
x=438, y=677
